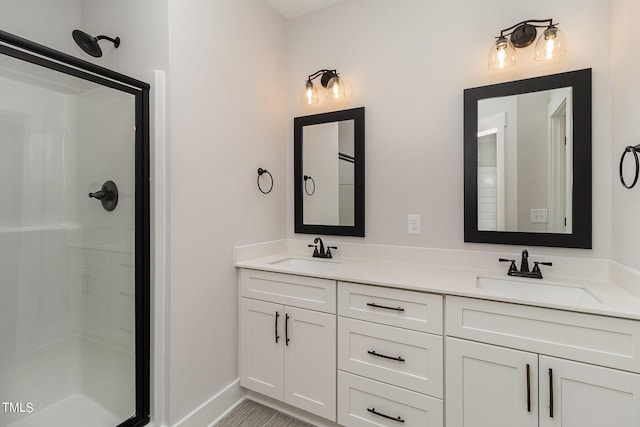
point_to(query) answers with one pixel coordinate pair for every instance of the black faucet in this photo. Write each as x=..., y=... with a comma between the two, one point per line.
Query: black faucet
x=524, y=263
x=524, y=267
x=321, y=253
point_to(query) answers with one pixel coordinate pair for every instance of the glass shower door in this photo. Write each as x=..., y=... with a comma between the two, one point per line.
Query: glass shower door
x=73, y=251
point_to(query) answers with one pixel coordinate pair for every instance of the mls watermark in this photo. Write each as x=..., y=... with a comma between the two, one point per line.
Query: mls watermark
x=17, y=407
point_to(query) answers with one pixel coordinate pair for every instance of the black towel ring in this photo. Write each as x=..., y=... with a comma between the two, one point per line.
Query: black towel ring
x=634, y=150
x=260, y=173
x=306, y=178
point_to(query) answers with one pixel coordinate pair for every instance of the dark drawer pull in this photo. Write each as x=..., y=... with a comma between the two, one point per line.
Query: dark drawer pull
x=373, y=304
x=277, y=315
x=528, y=389
x=373, y=353
x=380, y=414
x=286, y=329
x=550, y=393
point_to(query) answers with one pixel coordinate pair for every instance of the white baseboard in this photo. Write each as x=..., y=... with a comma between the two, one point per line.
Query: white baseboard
x=215, y=408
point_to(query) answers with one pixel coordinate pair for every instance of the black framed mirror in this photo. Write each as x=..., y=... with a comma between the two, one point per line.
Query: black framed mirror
x=329, y=173
x=527, y=162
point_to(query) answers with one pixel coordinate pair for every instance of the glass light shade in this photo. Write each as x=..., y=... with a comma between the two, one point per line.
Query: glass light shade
x=550, y=45
x=335, y=89
x=309, y=94
x=502, y=54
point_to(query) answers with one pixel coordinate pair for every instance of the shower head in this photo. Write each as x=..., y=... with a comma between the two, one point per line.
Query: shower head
x=90, y=45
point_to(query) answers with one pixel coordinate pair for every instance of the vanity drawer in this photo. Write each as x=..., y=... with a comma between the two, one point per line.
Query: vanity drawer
x=359, y=397
x=296, y=291
x=406, y=358
x=590, y=338
x=396, y=307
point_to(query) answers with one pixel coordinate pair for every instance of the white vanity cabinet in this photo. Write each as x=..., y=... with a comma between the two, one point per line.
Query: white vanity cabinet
x=288, y=339
x=389, y=357
x=365, y=355
x=538, y=367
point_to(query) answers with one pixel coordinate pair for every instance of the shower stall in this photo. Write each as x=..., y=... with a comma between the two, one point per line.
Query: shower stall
x=74, y=241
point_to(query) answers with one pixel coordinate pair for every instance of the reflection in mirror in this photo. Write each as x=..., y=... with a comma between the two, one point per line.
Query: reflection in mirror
x=524, y=162
x=528, y=161
x=328, y=157
x=329, y=173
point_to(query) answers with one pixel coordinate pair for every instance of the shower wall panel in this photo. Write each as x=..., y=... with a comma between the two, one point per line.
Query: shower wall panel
x=37, y=142
x=106, y=126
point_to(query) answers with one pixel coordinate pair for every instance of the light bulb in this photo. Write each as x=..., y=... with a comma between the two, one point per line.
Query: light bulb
x=336, y=89
x=549, y=48
x=309, y=94
x=550, y=45
x=502, y=54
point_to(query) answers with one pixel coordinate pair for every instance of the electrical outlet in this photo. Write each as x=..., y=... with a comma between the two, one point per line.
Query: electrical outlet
x=413, y=224
x=539, y=216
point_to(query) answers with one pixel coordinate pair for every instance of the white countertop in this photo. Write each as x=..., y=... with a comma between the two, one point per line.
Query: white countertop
x=451, y=280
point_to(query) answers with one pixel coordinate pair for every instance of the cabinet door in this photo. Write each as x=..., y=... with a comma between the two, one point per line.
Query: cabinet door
x=261, y=347
x=310, y=361
x=490, y=386
x=586, y=395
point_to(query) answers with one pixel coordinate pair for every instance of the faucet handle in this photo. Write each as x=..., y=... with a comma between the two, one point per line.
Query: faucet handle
x=315, y=249
x=512, y=267
x=536, y=268
x=329, y=251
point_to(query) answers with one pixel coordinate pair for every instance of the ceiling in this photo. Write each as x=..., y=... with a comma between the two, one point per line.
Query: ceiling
x=292, y=8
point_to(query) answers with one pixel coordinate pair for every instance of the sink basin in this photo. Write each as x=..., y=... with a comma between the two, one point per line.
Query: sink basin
x=316, y=265
x=536, y=290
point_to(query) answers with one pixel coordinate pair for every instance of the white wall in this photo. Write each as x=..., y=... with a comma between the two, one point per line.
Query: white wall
x=407, y=62
x=625, y=113
x=43, y=21
x=227, y=119
x=141, y=25
x=142, y=28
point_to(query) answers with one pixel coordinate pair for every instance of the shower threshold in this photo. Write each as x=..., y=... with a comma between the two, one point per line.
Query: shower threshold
x=73, y=411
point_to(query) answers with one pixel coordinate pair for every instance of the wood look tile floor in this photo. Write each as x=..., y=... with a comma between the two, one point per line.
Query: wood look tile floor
x=252, y=414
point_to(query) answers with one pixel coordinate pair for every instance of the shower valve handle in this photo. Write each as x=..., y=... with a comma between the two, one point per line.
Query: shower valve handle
x=108, y=195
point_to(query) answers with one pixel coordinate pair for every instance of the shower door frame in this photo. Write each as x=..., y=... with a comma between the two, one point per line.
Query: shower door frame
x=37, y=54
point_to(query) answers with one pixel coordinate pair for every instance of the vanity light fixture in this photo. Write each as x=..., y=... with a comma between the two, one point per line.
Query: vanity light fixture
x=550, y=45
x=329, y=80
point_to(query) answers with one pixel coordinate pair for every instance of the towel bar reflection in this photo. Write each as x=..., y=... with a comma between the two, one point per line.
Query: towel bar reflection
x=308, y=178
x=634, y=150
